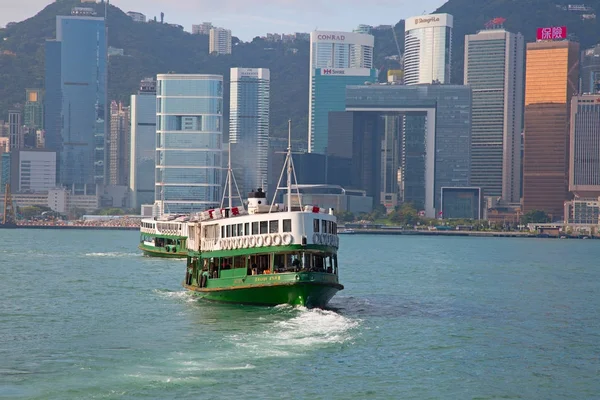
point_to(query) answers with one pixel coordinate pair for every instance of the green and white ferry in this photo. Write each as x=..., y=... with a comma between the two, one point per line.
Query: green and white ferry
x=269, y=254
x=165, y=236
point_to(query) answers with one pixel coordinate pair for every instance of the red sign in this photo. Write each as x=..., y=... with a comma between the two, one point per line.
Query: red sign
x=552, y=33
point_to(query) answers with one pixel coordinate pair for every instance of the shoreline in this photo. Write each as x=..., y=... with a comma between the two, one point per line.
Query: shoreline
x=83, y=227
x=392, y=231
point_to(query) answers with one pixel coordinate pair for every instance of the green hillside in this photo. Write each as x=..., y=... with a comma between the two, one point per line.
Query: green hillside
x=153, y=48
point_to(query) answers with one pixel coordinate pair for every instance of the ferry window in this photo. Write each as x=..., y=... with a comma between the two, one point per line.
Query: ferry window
x=240, y=230
x=228, y=230
x=287, y=225
x=247, y=228
x=233, y=230
x=334, y=228
x=222, y=231
x=264, y=227
x=255, y=228
x=273, y=226
x=316, y=225
x=324, y=226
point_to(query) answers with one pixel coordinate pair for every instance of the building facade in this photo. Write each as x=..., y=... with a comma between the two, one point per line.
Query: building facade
x=552, y=76
x=584, y=146
x=428, y=49
x=75, y=104
x=590, y=70
x=219, y=41
x=249, y=125
x=15, y=129
x=33, y=171
x=33, y=112
x=202, y=29
x=136, y=16
x=495, y=70
x=118, y=144
x=433, y=137
x=188, y=142
x=337, y=59
x=143, y=144
x=461, y=203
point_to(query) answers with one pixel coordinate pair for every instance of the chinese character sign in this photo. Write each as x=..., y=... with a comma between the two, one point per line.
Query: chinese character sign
x=552, y=33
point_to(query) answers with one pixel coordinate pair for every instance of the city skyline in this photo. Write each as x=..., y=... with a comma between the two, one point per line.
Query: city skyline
x=244, y=19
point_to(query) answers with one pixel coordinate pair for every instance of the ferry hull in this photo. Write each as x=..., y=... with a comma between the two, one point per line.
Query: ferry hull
x=307, y=294
x=161, y=252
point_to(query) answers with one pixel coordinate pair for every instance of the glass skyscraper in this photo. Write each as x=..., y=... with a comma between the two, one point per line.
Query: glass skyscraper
x=428, y=49
x=249, y=126
x=189, y=131
x=337, y=59
x=76, y=106
x=495, y=70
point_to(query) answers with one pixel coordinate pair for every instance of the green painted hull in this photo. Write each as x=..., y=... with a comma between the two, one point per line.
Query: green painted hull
x=161, y=252
x=309, y=289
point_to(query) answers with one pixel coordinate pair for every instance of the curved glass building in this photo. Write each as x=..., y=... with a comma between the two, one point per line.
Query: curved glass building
x=428, y=49
x=189, y=127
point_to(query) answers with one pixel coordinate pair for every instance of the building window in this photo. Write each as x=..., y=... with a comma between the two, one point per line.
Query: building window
x=287, y=225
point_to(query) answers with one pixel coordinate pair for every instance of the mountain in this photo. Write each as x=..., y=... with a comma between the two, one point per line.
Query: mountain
x=152, y=48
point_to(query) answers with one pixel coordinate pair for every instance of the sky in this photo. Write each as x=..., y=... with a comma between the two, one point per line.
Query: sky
x=250, y=18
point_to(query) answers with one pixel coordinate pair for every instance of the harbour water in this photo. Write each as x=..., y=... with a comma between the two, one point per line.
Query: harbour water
x=84, y=316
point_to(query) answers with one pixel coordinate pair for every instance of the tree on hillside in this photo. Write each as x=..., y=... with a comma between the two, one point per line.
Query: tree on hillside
x=535, y=216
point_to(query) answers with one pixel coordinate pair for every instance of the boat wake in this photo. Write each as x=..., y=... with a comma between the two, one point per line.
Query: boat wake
x=181, y=295
x=113, y=254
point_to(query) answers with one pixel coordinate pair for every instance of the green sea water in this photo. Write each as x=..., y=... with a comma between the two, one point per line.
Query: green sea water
x=84, y=316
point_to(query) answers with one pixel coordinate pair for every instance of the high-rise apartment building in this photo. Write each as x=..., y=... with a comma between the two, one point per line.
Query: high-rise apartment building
x=219, y=41
x=33, y=112
x=188, y=142
x=584, y=158
x=249, y=125
x=75, y=103
x=202, y=29
x=495, y=69
x=15, y=129
x=551, y=79
x=428, y=49
x=590, y=70
x=118, y=144
x=337, y=59
x=143, y=144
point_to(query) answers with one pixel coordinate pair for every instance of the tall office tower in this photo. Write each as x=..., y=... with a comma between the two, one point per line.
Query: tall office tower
x=590, y=70
x=33, y=112
x=337, y=59
x=584, y=159
x=143, y=144
x=219, y=41
x=75, y=102
x=428, y=49
x=118, y=144
x=249, y=125
x=202, y=29
x=188, y=142
x=15, y=129
x=495, y=69
x=551, y=79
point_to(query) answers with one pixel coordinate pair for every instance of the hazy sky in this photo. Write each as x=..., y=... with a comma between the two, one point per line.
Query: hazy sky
x=249, y=18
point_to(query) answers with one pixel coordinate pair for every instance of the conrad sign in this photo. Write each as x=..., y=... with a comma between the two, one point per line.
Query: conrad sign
x=338, y=38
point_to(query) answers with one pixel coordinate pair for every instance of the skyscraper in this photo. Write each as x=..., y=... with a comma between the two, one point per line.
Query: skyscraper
x=428, y=49
x=249, y=125
x=15, y=129
x=143, y=144
x=495, y=68
x=337, y=59
x=188, y=142
x=584, y=159
x=219, y=41
x=118, y=144
x=590, y=70
x=33, y=113
x=76, y=107
x=551, y=79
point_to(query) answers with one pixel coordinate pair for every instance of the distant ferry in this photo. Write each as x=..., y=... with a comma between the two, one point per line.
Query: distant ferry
x=164, y=237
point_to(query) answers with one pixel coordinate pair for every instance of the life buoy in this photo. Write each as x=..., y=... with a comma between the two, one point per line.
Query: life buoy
x=268, y=240
x=316, y=238
x=259, y=241
x=287, y=239
x=245, y=242
x=252, y=241
x=240, y=243
x=277, y=240
x=229, y=244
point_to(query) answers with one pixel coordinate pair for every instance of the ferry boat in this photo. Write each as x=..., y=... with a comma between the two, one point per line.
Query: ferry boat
x=269, y=254
x=164, y=237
